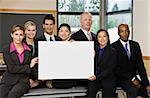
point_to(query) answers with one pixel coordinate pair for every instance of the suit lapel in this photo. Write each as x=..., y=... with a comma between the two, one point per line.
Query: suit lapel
x=93, y=36
x=27, y=56
x=131, y=49
x=83, y=35
x=43, y=38
x=15, y=58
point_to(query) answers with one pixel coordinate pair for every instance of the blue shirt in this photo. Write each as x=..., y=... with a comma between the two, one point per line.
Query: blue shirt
x=101, y=52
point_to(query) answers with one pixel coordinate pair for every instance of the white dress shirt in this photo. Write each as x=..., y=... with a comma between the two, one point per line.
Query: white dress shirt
x=47, y=36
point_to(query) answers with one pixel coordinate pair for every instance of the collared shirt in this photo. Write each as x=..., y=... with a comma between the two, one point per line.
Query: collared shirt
x=20, y=55
x=88, y=34
x=123, y=43
x=47, y=36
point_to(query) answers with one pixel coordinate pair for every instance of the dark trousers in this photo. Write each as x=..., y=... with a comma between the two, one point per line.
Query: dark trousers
x=129, y=88
x=143, y=92
x=13, y=91
x=108, y=91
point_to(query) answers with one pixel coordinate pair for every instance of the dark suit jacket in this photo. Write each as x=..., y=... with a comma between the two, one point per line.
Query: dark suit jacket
x=80, y=36
x=15, y=71
x=106, y=65
x=42, y=38
x=34, y=71
x=31, y=47
x=127, y=69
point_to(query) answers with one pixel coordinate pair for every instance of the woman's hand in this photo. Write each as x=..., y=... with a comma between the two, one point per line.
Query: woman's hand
x=92, y=78
x=34, y=61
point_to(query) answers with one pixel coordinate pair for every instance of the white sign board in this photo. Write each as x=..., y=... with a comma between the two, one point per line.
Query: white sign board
x=65, y=60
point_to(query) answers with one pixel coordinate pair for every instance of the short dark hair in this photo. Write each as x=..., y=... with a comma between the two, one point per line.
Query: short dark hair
x=49, y=17
x=125, y=25
x=64, y=25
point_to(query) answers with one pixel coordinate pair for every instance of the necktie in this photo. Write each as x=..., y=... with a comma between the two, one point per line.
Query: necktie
x=89, y=35
x=127, y=51
x=51, y=39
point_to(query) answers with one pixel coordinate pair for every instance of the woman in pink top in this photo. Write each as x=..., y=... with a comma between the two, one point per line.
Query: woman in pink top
x=17, y=55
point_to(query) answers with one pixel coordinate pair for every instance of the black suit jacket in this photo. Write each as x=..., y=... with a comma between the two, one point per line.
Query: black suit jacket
x=127, y=69
x=15, y=71
x=42, y=38
x=106, y=65
x=80, y=36
x=34, y=71
x=31, y=47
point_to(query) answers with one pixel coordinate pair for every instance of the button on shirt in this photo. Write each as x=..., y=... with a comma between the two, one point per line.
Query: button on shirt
x=20, y=55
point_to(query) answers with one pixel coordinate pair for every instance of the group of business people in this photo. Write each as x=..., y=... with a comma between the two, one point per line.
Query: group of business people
x=116, y=64
x=21, y=57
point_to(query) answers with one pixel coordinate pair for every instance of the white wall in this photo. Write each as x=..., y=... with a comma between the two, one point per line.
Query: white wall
x=28, y=4
x=141, y=24
x=148, y=28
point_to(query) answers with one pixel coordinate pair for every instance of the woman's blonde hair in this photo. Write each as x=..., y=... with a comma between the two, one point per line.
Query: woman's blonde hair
x=29, y=23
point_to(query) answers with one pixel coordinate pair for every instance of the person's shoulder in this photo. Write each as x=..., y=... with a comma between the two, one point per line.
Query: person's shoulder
x=115, y=43
x=93, y=33
x=6, y=48
x=57, y=38
x=76, y=33
x=110, y=47
x=134, y=43
x=40, y=38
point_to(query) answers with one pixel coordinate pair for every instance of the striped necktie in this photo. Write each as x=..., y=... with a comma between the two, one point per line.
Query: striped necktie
x=89, y=35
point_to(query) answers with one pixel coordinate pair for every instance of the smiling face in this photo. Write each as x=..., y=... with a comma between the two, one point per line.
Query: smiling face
x=64, y=33
x=30, y=31
x=48, y=26
x=86, y=21
x=123, y=32
x=17, y=36
x=102, y=39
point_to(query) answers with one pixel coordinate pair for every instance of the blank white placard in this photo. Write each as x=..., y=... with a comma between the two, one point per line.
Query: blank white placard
x=65, y=60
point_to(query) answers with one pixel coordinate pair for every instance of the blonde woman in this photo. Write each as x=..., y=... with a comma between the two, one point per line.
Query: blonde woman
x=30, y=32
